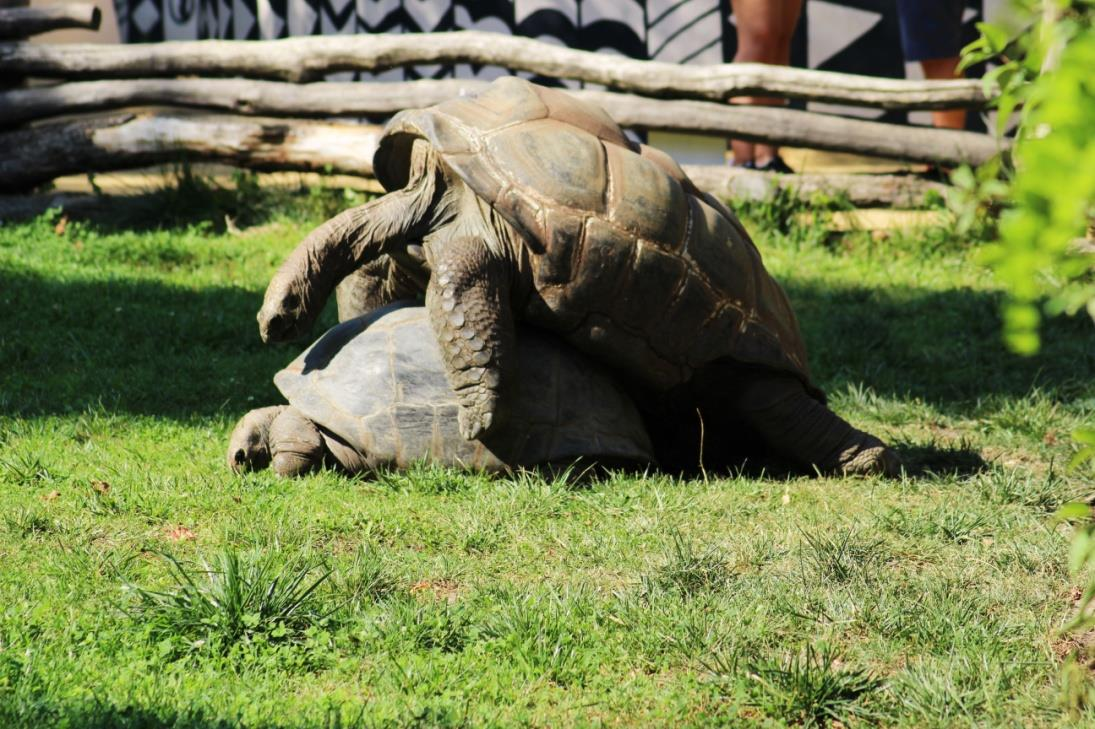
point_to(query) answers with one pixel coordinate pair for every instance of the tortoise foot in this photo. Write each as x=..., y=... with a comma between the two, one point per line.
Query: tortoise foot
x=868, y=456
x=295, y=444
x=477, y=412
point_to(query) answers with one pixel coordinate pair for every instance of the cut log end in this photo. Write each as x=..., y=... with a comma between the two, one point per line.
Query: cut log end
x=18, y=23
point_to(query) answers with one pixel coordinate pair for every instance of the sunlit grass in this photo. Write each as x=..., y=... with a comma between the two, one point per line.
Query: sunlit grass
x=440, y=598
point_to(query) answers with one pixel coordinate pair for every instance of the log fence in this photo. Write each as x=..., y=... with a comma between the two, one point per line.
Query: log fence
x=261, y=104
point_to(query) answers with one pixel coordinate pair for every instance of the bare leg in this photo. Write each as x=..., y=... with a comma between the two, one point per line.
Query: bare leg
x=799, y=427
x=765, y=29
x=471, y=313
x=296, y=446
x=945, y=69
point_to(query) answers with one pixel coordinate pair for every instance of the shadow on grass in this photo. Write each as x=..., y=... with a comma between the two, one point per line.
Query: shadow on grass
x=94, y=714
x=944, y=346
x=145, y=347
x=926, y=461
x=132, y=346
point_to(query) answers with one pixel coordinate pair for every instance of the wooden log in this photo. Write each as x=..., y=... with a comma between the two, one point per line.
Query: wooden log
x=25, y=22
x=735, y=183
x=271, y=98
x=29, y=157
x=242, y=96
x=310, y=58
x=801, y=129
x=32, y=156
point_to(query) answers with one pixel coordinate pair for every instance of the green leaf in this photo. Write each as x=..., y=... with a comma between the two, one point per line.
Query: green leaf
x=1073, y=511
x=1081, y=550
x=995, y=37
x=1086, y=438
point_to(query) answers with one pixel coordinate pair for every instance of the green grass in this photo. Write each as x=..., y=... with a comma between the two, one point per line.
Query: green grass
x=143, y=585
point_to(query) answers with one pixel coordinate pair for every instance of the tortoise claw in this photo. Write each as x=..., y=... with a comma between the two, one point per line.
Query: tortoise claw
x=477, y=414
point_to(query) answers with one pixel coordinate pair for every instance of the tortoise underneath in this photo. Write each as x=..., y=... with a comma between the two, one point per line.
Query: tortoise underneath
x=524, y=204
x=372, y=393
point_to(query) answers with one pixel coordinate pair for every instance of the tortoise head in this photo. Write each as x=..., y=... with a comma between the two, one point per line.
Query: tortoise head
x=286, y=312
x=249, y=446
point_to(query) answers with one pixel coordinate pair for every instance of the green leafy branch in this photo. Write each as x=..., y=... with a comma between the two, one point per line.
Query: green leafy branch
x=1046, y=53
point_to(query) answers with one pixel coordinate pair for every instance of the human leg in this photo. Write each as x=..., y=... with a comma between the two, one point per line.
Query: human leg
x=765, y=29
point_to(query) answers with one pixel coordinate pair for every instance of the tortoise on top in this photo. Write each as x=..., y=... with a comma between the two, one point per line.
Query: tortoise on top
x=526, y=203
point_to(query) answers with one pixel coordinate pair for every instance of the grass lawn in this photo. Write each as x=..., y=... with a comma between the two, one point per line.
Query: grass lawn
x=143, y=585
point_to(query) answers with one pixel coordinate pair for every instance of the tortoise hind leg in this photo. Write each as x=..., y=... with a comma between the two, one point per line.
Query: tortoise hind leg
x=798, y=427
x=296, y=446
x=468, y=300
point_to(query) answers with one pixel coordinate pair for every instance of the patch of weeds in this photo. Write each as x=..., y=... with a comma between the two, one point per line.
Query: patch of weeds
x=842, y=555
x=26, y=469
x=958, y=526
x=815, y=687
x=962, y=688
x=236, y=598
x=29, y=523
x=546, y=635
x=100, y=499
x=699, y=630
x=365, y=580
x=1044, y=493
x=431, y=626
x=950, y=524
x=801, y=222
x=688, y=570
x=425, y=478
x=479, y=534
x=947, y=618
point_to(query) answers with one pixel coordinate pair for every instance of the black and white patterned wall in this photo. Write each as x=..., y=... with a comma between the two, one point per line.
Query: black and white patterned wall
x=855, y=36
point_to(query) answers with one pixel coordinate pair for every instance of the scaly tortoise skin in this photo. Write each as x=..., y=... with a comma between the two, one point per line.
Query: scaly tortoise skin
x=371, y=393
x=526, y=204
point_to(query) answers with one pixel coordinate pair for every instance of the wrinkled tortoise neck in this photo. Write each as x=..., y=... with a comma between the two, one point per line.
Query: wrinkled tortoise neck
x=345, y=243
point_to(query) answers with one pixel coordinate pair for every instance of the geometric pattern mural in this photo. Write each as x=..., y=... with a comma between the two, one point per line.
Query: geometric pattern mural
x=855, y=36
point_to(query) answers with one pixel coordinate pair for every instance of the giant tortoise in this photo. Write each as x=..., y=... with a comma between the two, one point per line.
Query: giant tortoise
x=372, y=393
x=524, y=203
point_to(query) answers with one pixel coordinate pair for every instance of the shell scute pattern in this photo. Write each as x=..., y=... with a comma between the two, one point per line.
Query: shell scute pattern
x=588, y=203
x=656, y=277
x=559, y=164
x=564, y=108
x=376, y=384
x=645, y=201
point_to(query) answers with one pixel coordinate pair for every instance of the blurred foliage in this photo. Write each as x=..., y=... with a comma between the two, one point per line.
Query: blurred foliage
x=1046, y=53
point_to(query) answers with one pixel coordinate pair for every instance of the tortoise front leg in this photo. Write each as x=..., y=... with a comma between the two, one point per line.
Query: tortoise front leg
x=468, y=300
x=296, y=447
x=352, y=239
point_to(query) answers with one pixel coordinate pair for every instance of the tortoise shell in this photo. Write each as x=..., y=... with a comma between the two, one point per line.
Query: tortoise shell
x=629, y=259
x=376, y=384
